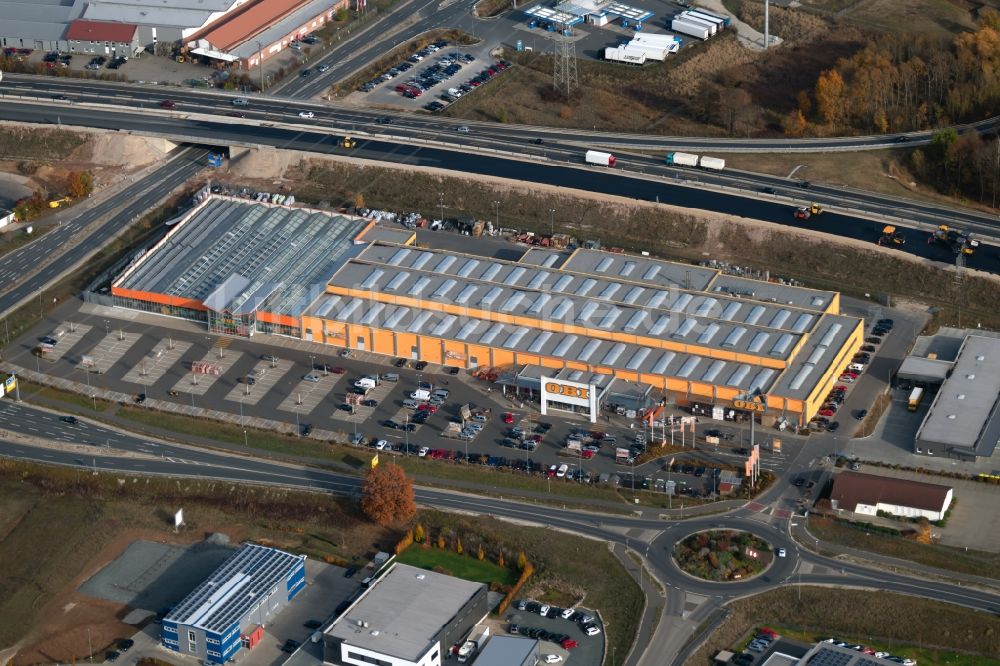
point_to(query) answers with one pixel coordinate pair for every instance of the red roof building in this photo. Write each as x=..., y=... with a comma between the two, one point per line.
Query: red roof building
x=82, y=30
x=867, y=494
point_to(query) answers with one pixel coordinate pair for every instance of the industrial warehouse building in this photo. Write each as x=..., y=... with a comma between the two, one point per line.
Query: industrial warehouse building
x=964, y=418
x=236, y=31
x=867, y=494
x=228, y=610
x=408, y=617
x=581, y=326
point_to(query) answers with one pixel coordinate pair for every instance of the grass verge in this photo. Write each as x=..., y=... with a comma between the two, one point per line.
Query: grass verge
x=491, y=8
x=905, y=625
x=973, y=562
x=453, y=564
x=32, y=143
x=882, y=402
x=598, y=579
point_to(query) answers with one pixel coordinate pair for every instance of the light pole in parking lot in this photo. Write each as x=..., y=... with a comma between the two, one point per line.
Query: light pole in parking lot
x=312, y=362
x=552, y=220
x=496, y=220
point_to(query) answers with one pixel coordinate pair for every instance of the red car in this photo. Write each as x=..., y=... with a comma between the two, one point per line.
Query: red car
x=508, y=417
x=569, y=644
x=770, y=633
x=168, y=104
x=427, y=407
x=586, y=455
x=338, y=370
x=852, y=374
x=840, y=388
x=826, y=412
x=552, y=471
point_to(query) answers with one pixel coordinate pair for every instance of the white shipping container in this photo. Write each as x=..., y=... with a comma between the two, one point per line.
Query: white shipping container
x=599, y=158
x=682, y=159
x=713, y=163
x=691, y=29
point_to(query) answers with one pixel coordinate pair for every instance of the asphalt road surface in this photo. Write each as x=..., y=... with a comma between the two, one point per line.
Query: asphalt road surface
x=108, y=218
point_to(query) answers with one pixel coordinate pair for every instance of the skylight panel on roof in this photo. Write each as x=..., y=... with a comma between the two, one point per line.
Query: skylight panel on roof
x=651, y=272
x=830, y=334
x=550, y=260
x=421, y=260
x=490, y=296
x=444, y=288
x=418, y=287
x=762, y=379
x=491, y=272
x=397, y=281
x=490, y=335
x=371, y=313
x=514, y=339
x=681, y=302
x=686, y=327
x=689, y=366
x=515, y=275
x=559, y=312
x=782, y=345
x=656, y=300
x=734, y=337
x=468, y=267
x=536, y=345
x=633, y=295
x=705, y=307
x=466, y=293
x=563, y=282
x=563, y=347
x=635, y=321
x=604, y=264
x=660, y=325
x=445, y=263
x=610, y=318
x=638, y=357
x=802, y=323
x=538, y=279
x=779, y=318
x=397, y=258
x=758, y=342
x=586, y=311
x=756, y=312
x=372, y=278
x=613, y=354
x=728, y=312
x=467, y=329
x=512, y=302
x=588, y=350
x=540, y=301
x=349, y=309
x=739, y=376
x=610, y=290
x=663, y=362
x=419, y=321
x=586, y=286
x=709, y=333
x=393, y=320
x=627, y=269
x=713, y=371
x=444, y=325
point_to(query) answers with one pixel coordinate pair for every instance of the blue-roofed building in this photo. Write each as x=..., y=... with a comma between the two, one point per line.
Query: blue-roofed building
x=253, y=585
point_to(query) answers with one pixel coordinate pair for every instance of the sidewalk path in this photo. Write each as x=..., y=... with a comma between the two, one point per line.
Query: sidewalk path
x=749, y=37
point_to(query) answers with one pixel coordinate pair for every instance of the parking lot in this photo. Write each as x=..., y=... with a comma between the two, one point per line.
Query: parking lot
x=575, y=634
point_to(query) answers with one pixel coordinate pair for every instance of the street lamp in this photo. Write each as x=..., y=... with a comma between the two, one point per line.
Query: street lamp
x=552, y=220
x=496, y=219
x=441, y=204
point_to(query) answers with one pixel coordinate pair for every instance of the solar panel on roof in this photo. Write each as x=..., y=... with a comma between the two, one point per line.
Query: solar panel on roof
x=586, y=286
x=372, y=278
x=397, y=281
x=604, y=264
x=538, y=279
x=613, y=354
x=651, y=272
x=588, y=350
x=468, y=267
x=491, y=272
x=638, y=357
x=515, y=275
x=562, y=283
x=398, y=257
x=663, y=362
x=627, y=269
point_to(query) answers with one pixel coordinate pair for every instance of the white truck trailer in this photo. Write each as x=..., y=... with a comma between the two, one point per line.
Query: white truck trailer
x=691, y=18
x=682, y=159
x=668, y=43
x=599, y=158
x=689, y=28
x=625, y=53
x=719, y=23
x=713, y=163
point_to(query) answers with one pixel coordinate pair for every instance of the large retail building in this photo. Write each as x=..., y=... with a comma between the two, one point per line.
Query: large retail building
x=585, y=324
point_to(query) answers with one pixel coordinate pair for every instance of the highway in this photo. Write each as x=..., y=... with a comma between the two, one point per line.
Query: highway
x=92, y=447
x=560, y=166
x=28, y=268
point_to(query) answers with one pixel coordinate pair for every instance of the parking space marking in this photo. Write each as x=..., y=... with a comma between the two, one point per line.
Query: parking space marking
x=111, y=349
x=264, y=382
x=74, y=333
x=306, y=395
x=199, y=383
x=156, y=363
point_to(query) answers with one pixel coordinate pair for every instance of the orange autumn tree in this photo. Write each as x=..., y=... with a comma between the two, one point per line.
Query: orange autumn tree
x=387, y=496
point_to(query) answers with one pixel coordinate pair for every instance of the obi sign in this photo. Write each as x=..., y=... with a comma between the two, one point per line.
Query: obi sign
x=756, y=403
x=562, y=392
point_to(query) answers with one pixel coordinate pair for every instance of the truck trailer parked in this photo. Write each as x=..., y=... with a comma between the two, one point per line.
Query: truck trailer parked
x=726, y=20
x=690, y=28
x=599, y=158
x=682, y=159
x=712, y=163
x=625, y=53
x=718, y=22
x=690, y=18
x=915, y=397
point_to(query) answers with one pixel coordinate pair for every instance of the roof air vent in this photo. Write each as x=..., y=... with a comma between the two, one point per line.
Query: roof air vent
x=970, y=376
x=374, y=632
x=961, y=396
x=421, y=576
x=980, y=358
x=951, y=416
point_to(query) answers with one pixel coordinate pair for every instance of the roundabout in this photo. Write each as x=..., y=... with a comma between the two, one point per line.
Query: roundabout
x=723, y=555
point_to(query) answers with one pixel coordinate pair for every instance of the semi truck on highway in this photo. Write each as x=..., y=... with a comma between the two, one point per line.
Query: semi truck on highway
x=688, y=159
x=599, y=158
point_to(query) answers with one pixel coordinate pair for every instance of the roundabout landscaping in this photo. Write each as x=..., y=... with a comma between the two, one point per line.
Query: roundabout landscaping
x=723, y=556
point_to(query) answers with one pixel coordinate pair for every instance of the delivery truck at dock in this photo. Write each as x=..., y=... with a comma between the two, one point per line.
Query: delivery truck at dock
x=599, y=158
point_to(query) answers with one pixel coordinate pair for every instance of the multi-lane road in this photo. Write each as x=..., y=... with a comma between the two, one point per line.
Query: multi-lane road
x=42, y=437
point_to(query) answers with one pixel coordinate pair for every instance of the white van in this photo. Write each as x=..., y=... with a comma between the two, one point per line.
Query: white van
x=390, y=377
x=241, y=101
x=365, y=383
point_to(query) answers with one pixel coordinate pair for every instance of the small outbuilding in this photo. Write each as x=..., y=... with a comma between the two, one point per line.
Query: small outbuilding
x=867, y=494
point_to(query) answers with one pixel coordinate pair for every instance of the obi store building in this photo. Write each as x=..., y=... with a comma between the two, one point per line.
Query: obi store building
x=595, y=324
